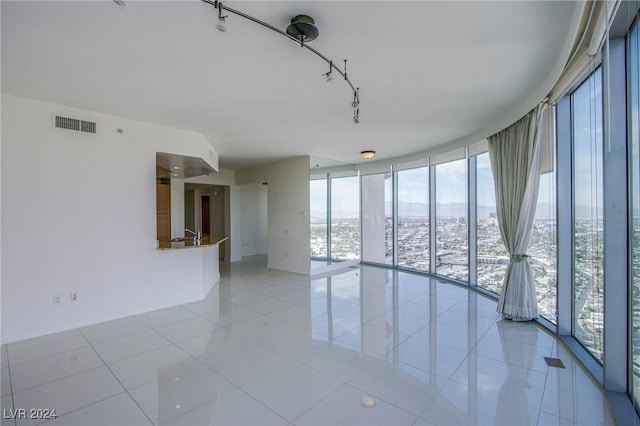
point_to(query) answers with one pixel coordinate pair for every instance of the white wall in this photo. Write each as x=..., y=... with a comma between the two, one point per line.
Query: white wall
x=78, y=215
x=234, y=251
x=288, y=211
x=189, y=209
x=198, y=193
x=177, y=207
x=217, y=210
x=253, y=202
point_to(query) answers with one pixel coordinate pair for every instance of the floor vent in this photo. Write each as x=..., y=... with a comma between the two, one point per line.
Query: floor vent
x=554, y=362
x=75, y=124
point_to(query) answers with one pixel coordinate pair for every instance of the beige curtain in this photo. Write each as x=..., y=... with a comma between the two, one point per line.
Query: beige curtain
x=515, y=163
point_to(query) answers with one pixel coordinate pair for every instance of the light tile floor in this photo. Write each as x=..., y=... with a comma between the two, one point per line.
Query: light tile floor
x=368, y=346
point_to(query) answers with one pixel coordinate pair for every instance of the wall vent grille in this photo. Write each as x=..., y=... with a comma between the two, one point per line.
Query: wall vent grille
x=67, y=123
x=88, y=126
x=554, y=362
x=75, y=124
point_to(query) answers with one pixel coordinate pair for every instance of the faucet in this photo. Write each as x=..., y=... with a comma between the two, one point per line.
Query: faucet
x=196, y=235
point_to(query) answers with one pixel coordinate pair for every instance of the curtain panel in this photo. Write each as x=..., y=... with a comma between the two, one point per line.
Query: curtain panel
x=515, y=164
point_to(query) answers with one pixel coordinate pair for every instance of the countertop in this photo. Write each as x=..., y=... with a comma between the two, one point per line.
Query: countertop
x=187, y=243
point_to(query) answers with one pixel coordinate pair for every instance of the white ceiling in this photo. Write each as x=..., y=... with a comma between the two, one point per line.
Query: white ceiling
x=430, y=73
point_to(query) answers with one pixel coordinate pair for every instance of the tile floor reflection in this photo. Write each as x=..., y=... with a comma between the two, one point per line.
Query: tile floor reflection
x=369, y=346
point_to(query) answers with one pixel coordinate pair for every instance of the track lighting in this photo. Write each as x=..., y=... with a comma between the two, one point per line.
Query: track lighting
x=222, y=23
x=328, y=74
x=356, y=99
x=301, y=30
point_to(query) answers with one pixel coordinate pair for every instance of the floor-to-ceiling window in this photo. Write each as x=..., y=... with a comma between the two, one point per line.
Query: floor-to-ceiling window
x=633, y=56
x=588, y=241
x=318, y=217
x=542, y=247
x=345, y=218
x=388, y=217
x=413, y=218
x=377, y=218
x=492, y=256
x=452, y=235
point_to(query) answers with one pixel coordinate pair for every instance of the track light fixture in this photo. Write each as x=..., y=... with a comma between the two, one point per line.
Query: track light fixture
x=356, y=98
x=222, y=23
x=301, y=30
x=328, y=74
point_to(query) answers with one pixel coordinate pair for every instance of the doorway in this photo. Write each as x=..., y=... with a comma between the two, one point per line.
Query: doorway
x=207, y=208
x=206, y=216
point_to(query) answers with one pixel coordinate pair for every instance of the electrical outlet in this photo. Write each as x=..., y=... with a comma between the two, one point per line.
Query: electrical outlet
x=57, y=299
x=74, y=296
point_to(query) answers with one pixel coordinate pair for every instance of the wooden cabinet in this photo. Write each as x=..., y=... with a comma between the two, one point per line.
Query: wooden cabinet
x=163, y=209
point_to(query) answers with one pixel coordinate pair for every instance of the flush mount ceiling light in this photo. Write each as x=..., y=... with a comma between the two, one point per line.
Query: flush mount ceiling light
x=368, y=401
x=301, y=30
x=367, y=155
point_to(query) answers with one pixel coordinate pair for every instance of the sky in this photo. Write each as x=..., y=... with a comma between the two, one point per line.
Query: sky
x=587, y=133
x=413, y=187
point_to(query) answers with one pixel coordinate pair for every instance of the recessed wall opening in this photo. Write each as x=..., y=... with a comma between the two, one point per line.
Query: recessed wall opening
x=254, y=222
x=207, y=209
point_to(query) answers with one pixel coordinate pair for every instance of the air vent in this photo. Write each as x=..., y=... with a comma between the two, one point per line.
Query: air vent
x=75, y=124
x=88, y=126
x=554, y=362
x=67, y=123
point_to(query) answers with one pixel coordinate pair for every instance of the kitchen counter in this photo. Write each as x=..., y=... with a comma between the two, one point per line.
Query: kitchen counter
x=187, y=243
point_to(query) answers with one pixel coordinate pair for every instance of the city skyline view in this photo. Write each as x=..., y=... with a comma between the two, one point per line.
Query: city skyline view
x=452, y=227
x=451, y=256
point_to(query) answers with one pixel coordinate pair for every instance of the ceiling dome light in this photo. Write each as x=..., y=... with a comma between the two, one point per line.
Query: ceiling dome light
x=368, y=401
x=368, y=154
x=222, y=25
